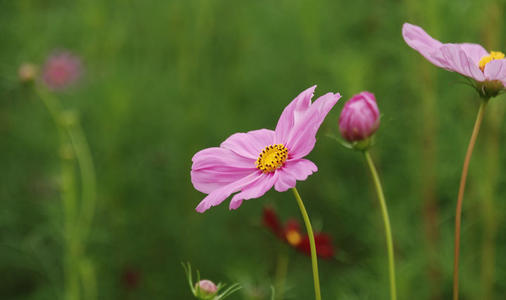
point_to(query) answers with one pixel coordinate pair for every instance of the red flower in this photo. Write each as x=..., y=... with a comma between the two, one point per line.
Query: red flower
x=291, y=234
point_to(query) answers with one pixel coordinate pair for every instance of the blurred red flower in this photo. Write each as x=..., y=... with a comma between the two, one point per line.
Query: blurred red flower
x=291, y=234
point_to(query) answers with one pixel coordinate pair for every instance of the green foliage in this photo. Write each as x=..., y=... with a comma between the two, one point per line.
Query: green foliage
x=165, y=79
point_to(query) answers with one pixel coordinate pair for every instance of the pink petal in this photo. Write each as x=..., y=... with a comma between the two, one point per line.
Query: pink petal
x=302, y=136
x=209, y=179
x=300, y=169
x=474, y=51
x=496, y=70
x=255, y=189
x=284, y=181
x=458, y=61
x=419, y=40
x=249, y=144
x=291, y=114
x=212, y=157
x=216, y=167
x=219, y=195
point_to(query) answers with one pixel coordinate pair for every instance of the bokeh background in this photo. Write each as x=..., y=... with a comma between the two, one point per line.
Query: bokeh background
x=164, y=79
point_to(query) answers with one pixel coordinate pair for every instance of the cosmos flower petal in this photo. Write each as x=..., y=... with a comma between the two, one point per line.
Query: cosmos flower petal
x=219, y=195
x=249, y=144
x=496, y=70
x=291, y=115
x=458, y=61
x=302, y=136
x=300, y=169
x=284, y=181
x=216, y=167
x=419, y=40
x=209, y=179
x=323, y=243
x=254, y=190
x=474, y=51
x=217, y=157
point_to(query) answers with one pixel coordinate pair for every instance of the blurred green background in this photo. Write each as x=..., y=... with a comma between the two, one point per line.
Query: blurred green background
x=165, y=79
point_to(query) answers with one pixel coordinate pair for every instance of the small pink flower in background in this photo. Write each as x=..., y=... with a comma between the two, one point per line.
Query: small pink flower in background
x=61, y=70
x=252, y=163
x=359, y=118
x=488, y=69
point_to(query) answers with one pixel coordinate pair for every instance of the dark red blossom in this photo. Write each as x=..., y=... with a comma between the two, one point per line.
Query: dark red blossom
x=291, y=234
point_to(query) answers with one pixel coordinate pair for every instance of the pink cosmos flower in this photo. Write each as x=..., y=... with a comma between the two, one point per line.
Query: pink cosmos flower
x=252, y=163
x=470, y=60
x=61, y=70
x=360, y=117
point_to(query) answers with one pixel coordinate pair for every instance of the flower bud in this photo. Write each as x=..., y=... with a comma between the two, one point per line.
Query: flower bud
x=27, y=72
x=359, y=118
x=206, y=288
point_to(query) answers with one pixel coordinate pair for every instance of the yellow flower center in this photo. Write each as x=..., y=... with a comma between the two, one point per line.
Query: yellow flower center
x=293, y=237
x=488, y=58
x=272, y=157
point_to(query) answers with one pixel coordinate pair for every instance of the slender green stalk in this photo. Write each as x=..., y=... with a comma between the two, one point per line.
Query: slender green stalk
x=77, y=222
x=88, y=177
x=462, y=187
x=386, y=221
x=314, y=260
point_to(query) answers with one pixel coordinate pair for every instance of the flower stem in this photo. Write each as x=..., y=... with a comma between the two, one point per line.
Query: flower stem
x=314, y=260
x=386, y=221
x=458, y=213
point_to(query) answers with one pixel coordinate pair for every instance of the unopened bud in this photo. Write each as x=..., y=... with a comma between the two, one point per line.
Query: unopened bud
x=27, y=72
x=206, y=288
x=359, y=118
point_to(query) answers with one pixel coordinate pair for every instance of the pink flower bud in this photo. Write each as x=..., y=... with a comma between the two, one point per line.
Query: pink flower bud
x=61, y=70
x=359, y=118
x=206, y=288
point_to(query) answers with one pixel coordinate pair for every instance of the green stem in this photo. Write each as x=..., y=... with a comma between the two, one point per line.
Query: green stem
x=386, y=221
x=88, y=177
x=462, y=187
x=314, y=260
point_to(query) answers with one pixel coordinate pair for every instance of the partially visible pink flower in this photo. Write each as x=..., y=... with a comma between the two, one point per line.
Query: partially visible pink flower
x=360, y=117
x=471, y=60
x=61, y=70
x=252, y=163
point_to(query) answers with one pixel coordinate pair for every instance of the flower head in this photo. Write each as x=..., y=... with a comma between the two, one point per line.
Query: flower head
x=251, y=163
x=291, y=234
x=360, y=117
x=488, y=69
x=61, y=70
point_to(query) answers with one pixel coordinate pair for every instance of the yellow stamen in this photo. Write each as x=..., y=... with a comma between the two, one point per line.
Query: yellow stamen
x=293, y=237
x=272, y=157
x=488, y=58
